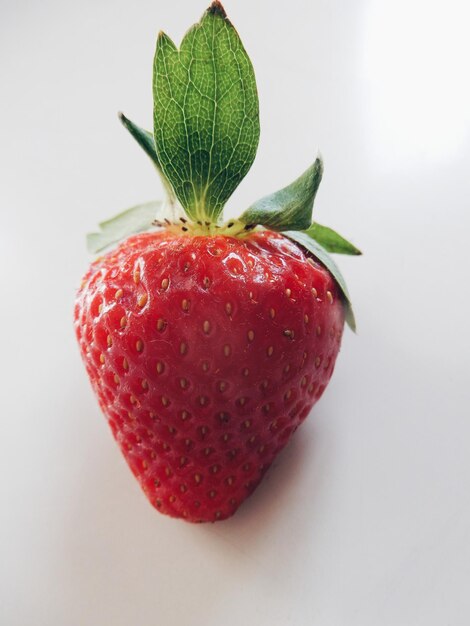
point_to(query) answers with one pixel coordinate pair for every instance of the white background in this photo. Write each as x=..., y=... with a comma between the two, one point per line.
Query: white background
x=365, y=518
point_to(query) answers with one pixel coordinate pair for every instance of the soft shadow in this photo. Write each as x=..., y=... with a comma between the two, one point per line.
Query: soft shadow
x=274, y=495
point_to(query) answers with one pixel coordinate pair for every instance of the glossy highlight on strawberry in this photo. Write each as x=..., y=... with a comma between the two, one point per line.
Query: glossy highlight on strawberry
x=206, y=353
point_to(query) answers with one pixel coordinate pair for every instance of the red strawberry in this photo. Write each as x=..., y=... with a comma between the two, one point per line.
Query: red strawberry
x=208, y=343
x=206, y=354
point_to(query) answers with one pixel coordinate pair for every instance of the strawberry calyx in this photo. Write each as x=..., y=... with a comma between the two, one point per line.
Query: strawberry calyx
x=205, y=138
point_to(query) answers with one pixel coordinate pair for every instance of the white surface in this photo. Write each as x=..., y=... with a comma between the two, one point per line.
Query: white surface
x=365, y=519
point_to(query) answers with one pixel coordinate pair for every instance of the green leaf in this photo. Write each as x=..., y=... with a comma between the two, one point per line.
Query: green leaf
x=206, y=117
x=289, y=208
x=331, y=240
x=146, y=141
x=143, y=137
x=134, y=220
x=322, y=255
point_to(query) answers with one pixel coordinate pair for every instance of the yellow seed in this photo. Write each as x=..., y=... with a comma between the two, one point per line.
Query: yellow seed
x=227, y=350
x=318, y=330
x=222, y=385
x=172, y=498
x=144, y=384
x=329, y=297
x=160, y=367
x=197, y=478
x=184, y=415
x=116, y=379
x=303, y=382
x=314, y=292
x=206, y=282
x=136, y=276
x=101, y=358
x=206, y=326
x=160, y=324
x=165, y=283
x=247, y=423
x=287, y=395
x=246, y=371
x=205, y=366
x=142, y=301
x=139, y=345
x=270, y=350
x=288, y=293
x=272, y=313
x=305, y=319
x=100, y=308
x=183, y=383
x=118, y=294
x=317, y=361
x=183, y=348
x=125, y=364
x=109, y=341
x=165, y=401
x=202, y=400
x=185, y=305
x=241, y=401
x=123, y=322
x=251, y=335
x=228, y=308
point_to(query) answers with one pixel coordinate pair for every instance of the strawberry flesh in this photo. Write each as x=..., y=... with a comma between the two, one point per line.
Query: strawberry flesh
x=206, y=353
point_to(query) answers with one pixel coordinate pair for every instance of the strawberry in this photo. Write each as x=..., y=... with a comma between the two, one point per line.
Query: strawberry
x=208, y=342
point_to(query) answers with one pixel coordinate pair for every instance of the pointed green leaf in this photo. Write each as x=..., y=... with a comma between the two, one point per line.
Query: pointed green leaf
x=331, y=240
x=134, y=220
x=322, y=255
x=146, y=141
x=143, y=137
x=289, y=208
x=206, y=118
